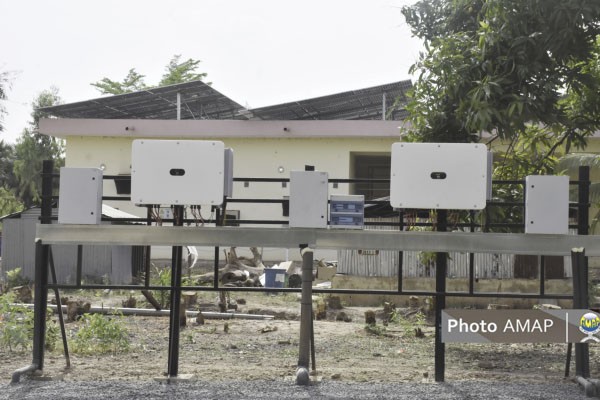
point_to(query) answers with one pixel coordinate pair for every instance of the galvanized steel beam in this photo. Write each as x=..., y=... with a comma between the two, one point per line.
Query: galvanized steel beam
x=504, y=243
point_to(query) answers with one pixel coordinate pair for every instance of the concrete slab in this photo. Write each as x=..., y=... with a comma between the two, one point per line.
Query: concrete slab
x=175, y=379
x=45, y=377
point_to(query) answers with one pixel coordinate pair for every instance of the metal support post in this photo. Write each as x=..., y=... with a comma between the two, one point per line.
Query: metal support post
x=79, y=271
x=302, y=375
x=583, y=220
x=542, y=275
x=41, y=270
x=580, y=301
x=440, y=301
x=147, y=250
x=40, y=303
x=218, y=222
x=580, y=269
x=583, y=210
x=177, y=253
x=471, y=255
x=400, y=254
x=61, y=318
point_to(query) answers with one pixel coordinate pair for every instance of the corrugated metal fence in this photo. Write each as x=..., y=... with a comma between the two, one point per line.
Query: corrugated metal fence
x=370, y=262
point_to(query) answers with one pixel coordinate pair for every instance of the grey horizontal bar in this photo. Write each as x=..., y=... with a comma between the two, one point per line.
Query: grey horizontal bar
x=173, y=236
x=509, y=243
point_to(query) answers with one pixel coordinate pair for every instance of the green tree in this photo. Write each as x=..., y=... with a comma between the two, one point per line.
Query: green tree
x=501, y=66
x=7, y=160
x=179, y=72
x=8, y=201
x=8, y=182
x=132, y=83
x=4, y=82
x=175, y=72
x=32, y=148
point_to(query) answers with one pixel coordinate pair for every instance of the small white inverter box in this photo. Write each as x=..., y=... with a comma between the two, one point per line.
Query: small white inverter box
x=308, y=199
x=547, y=204
x=177, y=172
x=439, y=176
x=80, y=196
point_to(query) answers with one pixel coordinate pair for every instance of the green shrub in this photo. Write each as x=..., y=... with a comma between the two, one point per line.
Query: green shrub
x=162, y=278
x=101, y=334
x=16, y=326
x=14, y=279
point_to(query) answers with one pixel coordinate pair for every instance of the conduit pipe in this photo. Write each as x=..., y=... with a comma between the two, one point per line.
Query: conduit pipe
x=146, y=312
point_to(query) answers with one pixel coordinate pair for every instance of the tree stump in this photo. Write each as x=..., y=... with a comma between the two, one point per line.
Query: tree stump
x=76, y=309
x=335, y=303
x=22, y=294
x=182, y=314
x=370, y=317
x=189, y=298
x=413, y=302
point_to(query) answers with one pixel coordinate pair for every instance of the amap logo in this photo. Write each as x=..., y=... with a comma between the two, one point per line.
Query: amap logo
x=590, y=325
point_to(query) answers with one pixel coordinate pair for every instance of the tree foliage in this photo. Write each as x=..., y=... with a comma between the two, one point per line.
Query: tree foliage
x=4, y=84
x=32, y=148
x=131, y=83
x=7, y=160
x=501, y=66
x=179, y=72
x=8, y=202
x=175, y=72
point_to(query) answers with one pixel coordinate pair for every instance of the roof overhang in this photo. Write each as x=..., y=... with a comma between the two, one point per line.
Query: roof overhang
x=200, y=129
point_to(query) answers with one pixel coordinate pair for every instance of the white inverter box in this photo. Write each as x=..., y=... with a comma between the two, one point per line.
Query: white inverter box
x=80, y=196
x=547, y=204
x=308, y=199
x=177, y=172
x=439, y=176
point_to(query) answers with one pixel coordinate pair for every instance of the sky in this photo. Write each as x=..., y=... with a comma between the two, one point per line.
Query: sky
x=257, y=52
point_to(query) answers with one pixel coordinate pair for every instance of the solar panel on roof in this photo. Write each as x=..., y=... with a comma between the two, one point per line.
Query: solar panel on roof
x=201, y=101
x=198, y=101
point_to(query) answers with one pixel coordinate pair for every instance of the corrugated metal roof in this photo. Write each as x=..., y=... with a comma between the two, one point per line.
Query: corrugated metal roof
x=201, y=101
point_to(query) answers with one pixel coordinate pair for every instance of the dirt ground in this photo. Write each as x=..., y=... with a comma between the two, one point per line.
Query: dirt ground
x=225, y=350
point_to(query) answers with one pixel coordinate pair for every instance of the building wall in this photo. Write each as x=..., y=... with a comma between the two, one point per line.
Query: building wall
x=253, y=158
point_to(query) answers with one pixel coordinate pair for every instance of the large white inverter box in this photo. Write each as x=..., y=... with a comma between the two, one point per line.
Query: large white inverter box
x=547, y=204
x=439, y=176
x=177, y=172
x=80, y=196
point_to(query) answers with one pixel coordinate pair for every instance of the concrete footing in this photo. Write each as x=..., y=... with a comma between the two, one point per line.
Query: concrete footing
x=182, y=378
x=302, y=376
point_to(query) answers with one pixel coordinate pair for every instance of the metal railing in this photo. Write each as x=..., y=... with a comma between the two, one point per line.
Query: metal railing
x=176, y=236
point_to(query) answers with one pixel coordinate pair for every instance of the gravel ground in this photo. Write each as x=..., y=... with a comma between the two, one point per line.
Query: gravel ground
x=288, y=390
